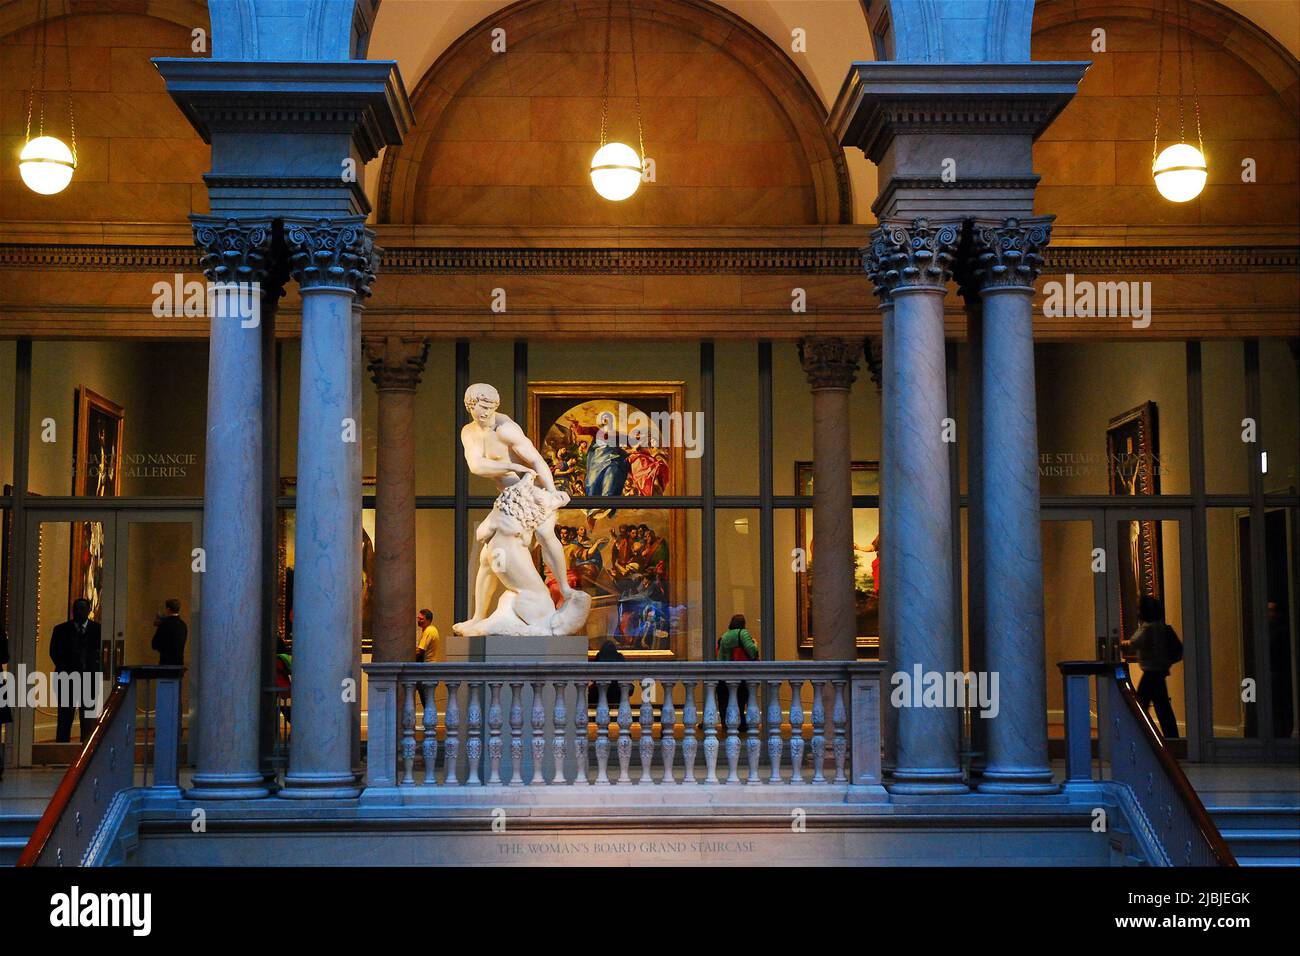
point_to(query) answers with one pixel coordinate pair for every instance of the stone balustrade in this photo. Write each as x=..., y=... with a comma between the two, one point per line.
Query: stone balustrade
x=580, y=724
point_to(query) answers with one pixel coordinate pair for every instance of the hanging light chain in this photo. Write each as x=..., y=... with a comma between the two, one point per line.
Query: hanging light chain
x=1196, y=101
x=604, y=96
x=1160, y=77
x=67, y=67
x=636, y=88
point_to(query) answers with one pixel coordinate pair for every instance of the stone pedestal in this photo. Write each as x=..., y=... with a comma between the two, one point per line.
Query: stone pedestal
x=494, y=649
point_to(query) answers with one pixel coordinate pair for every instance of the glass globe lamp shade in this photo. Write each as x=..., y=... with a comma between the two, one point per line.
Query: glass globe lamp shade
x=46, y=165
x=616, y=171
x=1180, y=172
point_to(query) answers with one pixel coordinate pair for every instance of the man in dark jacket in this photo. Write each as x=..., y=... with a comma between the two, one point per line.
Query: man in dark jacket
x=1155, y=644
x=169, y=636
x=74, y=649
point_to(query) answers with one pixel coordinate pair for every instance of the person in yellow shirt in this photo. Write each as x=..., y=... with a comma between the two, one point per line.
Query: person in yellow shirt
x=426, y=647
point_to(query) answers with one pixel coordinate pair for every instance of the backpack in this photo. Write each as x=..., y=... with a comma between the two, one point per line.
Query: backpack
x=1173, y=646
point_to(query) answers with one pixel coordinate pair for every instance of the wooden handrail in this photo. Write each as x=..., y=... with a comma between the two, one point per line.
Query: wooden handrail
x=1182, y=786
x=68, y=785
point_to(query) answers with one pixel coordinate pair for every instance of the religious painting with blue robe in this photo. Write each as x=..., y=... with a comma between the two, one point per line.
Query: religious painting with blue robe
x=619, y=440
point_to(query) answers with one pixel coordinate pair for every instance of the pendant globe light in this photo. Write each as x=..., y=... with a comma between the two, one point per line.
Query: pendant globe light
x=46, y=163
x=616, y=168
x=1179, y=170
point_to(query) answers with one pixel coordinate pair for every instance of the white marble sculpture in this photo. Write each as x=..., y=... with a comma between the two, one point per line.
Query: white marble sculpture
x=510, y=598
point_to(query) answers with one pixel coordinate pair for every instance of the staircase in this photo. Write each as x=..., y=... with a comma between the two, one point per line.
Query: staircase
x=15, y=830
x=1261, y=835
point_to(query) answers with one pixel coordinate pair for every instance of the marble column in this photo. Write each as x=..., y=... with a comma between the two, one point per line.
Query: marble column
x=831, y=365
x=973, y=428
x=910, y=263
x=888, y=462
x=1006, y=261
x=332, y=260
x=396, y=365
x=235, y=255
x=359, y=556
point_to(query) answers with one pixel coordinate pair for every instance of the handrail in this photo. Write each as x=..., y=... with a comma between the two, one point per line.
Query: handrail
x=1186, y=793
x=58, y=805
x=1125, y=769
x=71, y=789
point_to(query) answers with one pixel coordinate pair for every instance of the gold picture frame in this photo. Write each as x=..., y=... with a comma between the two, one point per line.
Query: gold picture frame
x=618, y=555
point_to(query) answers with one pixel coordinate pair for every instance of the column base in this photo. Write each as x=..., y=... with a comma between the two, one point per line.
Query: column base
x=227, y=786
x=911, y=780
x=1017, y=782
x=329, y=786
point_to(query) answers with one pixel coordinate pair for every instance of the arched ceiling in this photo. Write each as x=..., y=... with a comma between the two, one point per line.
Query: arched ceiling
x=416, y=32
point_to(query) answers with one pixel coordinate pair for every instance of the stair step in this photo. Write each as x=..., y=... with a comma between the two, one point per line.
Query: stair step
x=1288, y=861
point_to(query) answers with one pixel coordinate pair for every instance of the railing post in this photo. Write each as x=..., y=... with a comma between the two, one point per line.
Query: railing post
x=1078, y=719
x=166, y=751
x=865, y=729
x=381, y=763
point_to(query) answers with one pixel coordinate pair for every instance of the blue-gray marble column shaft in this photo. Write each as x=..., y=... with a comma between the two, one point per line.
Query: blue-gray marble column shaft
x=327, y=537
x=358, y=556
x=921, y=525
x=1013, y=568
x=888, y=463
x=231, y=586
x=975, y=578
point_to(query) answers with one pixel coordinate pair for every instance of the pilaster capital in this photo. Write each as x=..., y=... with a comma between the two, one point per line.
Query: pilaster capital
x=395, y=363
x=237, y=250
x=338, y=253
x=1006, y=254
x=830, y=362
x=912, y=254
x=873, y=350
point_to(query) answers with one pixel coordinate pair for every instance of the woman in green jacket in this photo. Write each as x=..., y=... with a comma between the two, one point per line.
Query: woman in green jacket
x=735, y=644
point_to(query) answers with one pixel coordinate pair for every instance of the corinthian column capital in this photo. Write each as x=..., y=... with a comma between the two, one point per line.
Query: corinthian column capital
x=338, y=254
x=911, y=254
x=1006, y=254
x=396, y=363
x=830, y=362
x=235, y=250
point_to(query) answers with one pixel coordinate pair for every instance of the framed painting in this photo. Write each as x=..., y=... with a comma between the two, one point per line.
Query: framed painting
x=96, y=473
x=286, y=526
x=1133, y=464
x=619, y=440
x=866, y=563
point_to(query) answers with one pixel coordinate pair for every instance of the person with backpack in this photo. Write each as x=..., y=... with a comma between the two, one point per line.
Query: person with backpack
x=1158, y=649
x=735, y=644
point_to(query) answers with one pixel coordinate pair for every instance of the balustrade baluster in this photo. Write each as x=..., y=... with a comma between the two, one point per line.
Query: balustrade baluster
x=494, y=731
x=558, y=718
x=819, y=732
x=647, y=742
x=690, y=717
x=796, y=731
x=624, y=730
x=474, y=733
x=451, y=746
x=516, y=733
x=538, y=731
x=733, y=732
x=753, y=739
x=668, y=731
x=840, y=719
x=581, y=745
x=774, y=730
x=430, y=745
x=710, y=732
x=408, y=733
x=602, y=735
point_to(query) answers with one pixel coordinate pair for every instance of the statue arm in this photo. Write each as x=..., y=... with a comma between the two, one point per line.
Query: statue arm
x=485, y=467
x=526, y=452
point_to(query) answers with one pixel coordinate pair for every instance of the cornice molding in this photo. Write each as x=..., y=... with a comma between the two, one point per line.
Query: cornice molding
x=791, y=260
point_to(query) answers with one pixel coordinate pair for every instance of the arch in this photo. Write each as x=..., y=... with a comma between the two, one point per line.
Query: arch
x=750, y=49
x=1210, y=21
x=20, y=14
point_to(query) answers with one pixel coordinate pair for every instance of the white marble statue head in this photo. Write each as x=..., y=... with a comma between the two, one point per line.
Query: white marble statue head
x=482, y=401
